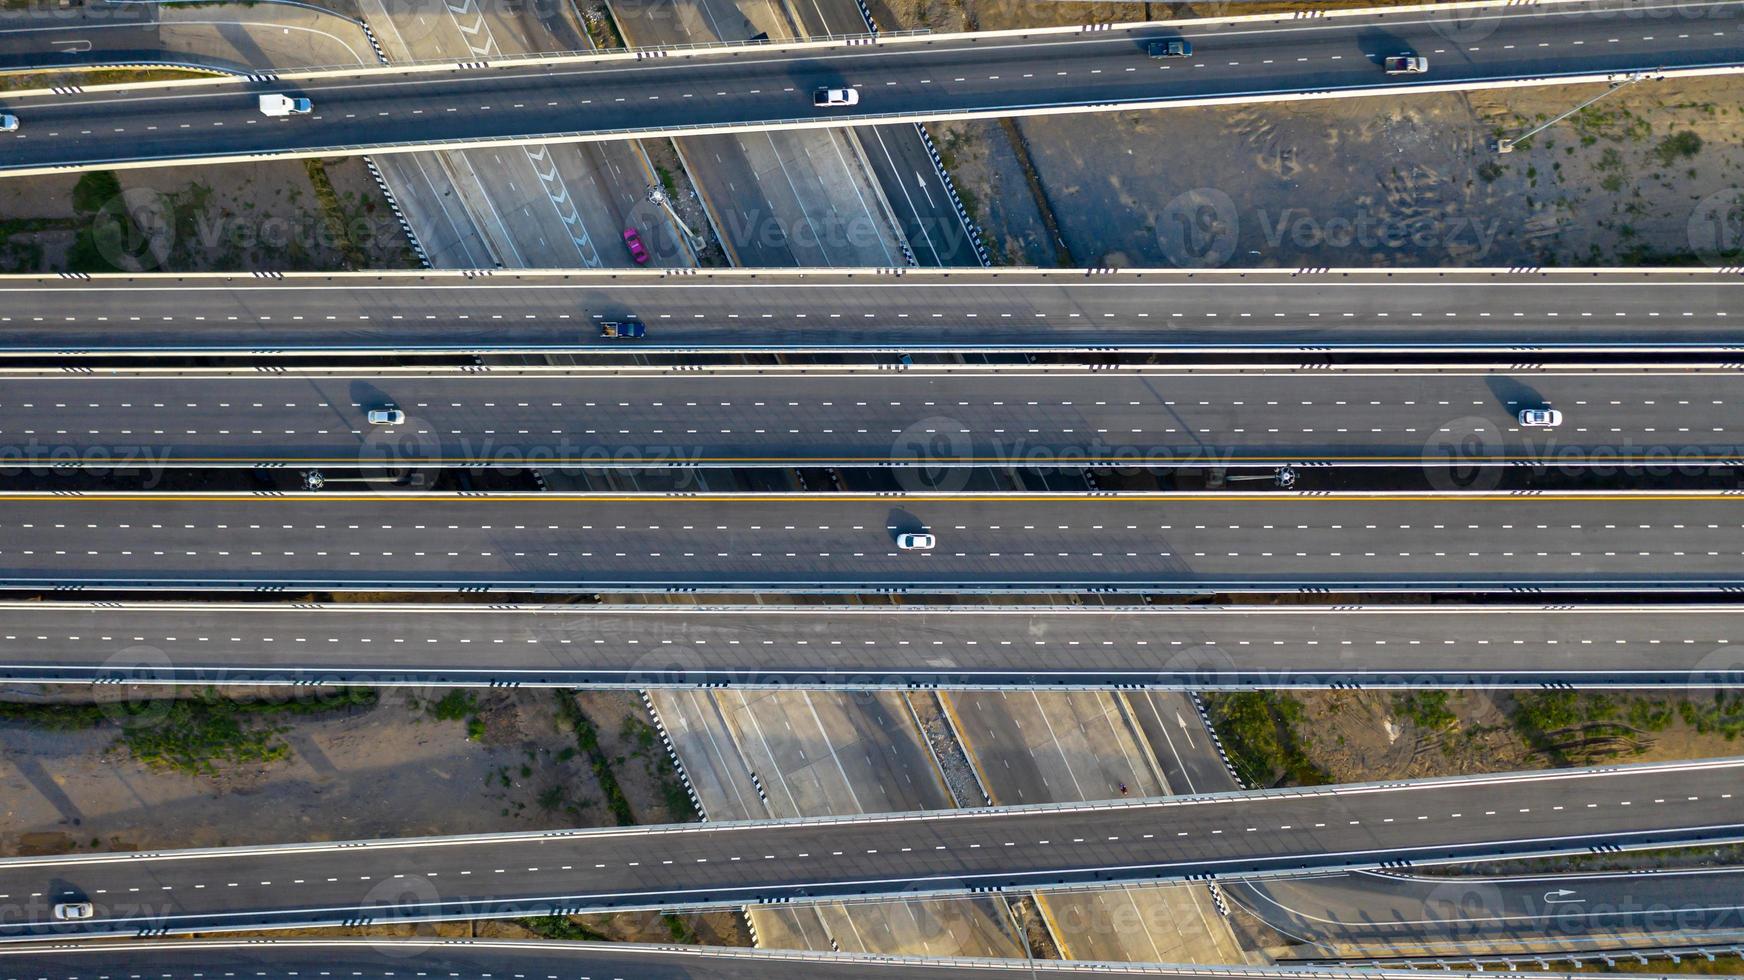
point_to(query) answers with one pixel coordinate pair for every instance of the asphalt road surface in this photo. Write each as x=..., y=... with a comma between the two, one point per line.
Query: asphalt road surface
x=1022, y=309
x=749, y=88
x=914, y=854
x=1393, y=914
x=608, y=542
x=923, y=418
x=382, y=958
x=664, y=646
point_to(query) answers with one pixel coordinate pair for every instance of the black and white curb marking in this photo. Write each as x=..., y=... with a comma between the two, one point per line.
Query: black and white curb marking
x=400, y=216
x=1205, y=718
x=956, y=202
x=672, y=752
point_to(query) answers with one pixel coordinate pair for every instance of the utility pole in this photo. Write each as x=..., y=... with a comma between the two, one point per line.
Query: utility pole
x=1506, y=144
x=657, y=195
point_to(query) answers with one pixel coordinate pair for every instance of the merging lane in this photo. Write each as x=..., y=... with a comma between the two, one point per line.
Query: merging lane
x=912, y=854
x=664, y=646
x=933, y=418
x=1016, y=309
x=928, y=78
x=1033, y=542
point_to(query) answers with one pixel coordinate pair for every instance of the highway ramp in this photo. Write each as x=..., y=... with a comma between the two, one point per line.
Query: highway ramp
x=836, y=647
x=1273, y=832
x=1013, y=416
x=1305, y=311
x=771, y=542
x=487, y=957
x=452, y=105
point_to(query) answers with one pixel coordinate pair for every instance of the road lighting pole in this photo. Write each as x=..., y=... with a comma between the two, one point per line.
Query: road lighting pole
x=1506, y=144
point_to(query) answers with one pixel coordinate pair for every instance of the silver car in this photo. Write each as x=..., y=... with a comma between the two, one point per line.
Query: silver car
x=8, y=123
x=1543, y=418
x=71, y=911
x=386, y=416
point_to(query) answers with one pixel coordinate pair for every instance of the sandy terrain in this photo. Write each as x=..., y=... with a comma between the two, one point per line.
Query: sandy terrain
x=246, y=216
x=390, y=770
x=1401, y=181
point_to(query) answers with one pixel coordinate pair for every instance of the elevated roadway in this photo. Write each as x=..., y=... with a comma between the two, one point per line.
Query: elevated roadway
x=835, y=647
x=1033, y=542
x=485, y=957
x=756, y=88
x=1274, y=832
x=1517, y=311
x=925, y=417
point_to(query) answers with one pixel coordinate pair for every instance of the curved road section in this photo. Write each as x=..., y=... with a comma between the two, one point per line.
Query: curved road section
x=924, y=418
x=663, y=646
x=751, y=89
x=1033, y=542
x=1273, y=832
x=485, y=957
x=822, y=309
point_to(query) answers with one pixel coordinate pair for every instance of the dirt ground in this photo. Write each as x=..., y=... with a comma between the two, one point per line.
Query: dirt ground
x=1368, y=735
x=1353, y=182
x=1403, y=182
x=281, y=215
x=383, y=771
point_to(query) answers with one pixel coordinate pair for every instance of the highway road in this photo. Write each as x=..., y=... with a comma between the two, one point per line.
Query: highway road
x=42, y=37
x=842, y=542
x=1020, y=309
x=1401, y=914
x=758, y=88
x=1399, y=823
x=381, y=958
x=834, y=416
x=664, y=646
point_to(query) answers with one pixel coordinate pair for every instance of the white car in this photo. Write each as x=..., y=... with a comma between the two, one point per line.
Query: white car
x=8, y=123
x=915, y=542
x=69, y=911
x=835, y=97
x=386, y=416
x=1545, y=418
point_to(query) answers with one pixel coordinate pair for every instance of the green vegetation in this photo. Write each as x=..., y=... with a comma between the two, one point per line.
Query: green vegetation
x=339, y=223
x=94, y=190
x=587, y=739
x=1725, y=716
x=196, y=735
x=668, y=184
x=1425, y=709
x=659, y=767
x=1679, y=145
x=456, y=705
x=561, y=927
x=679, y=927
x=1258, y=729
x=1571, y=727
x=55, y=717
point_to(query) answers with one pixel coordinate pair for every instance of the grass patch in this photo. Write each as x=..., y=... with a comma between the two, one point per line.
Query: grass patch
x=197, y=735
x=660, y=768
x=560, y=927
x=94, y=190
x=1258, y=729
x=587, y=739
x=456, y=705
x=1680, y=145
x=1571, y=727
x=55, y=717
x=339, y=223
x=1427, y=710
x=1724, y=717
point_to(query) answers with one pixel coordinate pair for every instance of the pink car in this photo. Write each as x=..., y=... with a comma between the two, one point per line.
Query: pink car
x=633, y=242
